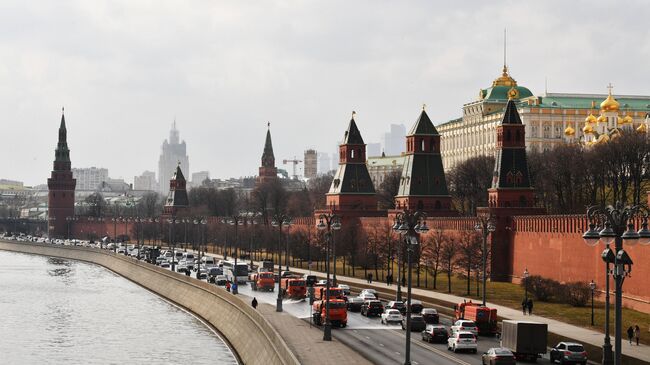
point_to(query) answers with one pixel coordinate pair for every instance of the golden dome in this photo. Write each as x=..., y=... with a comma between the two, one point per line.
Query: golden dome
x=587, y=129
x=602, y=119
x=610, y=104
x=569, y=131
x=642, y=128
x=615, y=133
x=505, y=79
x=590, y=119
x=626, y=120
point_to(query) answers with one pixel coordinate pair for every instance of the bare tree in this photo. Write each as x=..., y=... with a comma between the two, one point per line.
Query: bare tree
x=388, y=189
x=469, y=250
x=448, y=254
x=432, y=253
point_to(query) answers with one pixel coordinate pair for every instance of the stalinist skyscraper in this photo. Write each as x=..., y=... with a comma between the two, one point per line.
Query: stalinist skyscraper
x=173, y=151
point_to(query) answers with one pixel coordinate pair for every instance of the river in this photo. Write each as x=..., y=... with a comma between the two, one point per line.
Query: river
x=58, y=311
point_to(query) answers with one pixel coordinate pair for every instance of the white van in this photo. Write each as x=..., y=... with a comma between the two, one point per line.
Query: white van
x=189, y=259
x=208, y=261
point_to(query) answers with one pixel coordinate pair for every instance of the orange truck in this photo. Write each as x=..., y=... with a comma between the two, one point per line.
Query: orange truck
x=295, y=288
x=338, y=312
x=484, y=317
x=262, y=281
x=320, y=292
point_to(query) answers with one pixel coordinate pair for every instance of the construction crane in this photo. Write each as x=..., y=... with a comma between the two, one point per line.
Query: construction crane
x=294, y=162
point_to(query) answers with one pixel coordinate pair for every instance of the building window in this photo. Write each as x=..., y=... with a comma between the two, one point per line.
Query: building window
x=422, y=146
x=351, y=153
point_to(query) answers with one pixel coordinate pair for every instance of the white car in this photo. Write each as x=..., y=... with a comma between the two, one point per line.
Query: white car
x=462, y=340
x=367, y=296
x=345, y=288
x=464, y=325
x=391, y=315
x=370, y=291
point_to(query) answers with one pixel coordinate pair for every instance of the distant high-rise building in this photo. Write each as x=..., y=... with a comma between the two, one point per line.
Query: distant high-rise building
x=173, y=152
x=89, y=178
x=199, y=177
x=324, y=163
x=393, y=141
x=146, y=181
x=311, y=164
x=373, y=149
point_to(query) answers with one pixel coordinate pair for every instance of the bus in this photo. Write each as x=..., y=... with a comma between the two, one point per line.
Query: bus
x=238, y=271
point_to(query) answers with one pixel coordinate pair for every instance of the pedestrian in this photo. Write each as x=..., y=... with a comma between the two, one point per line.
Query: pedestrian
x=370, y=278
x=403, y=281
x=637, y=334
x=630, y=334
x=529, y=304
x=228, y=285
x=389, y=278
x=234, y=287
x=254, y=303
x=524, y=305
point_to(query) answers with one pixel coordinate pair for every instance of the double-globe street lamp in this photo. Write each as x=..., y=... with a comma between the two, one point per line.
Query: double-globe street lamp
x=280, y=220
x=410, y=224
x=617, y=224
x=70, y=220
x=200, y=223
x=485, y=226
x=328, y=222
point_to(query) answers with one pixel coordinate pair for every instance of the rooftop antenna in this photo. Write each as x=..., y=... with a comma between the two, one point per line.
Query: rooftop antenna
x=545, y=86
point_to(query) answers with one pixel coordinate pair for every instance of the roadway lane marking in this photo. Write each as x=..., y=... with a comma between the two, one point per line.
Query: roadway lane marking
x=433, y=349
x=381, y=344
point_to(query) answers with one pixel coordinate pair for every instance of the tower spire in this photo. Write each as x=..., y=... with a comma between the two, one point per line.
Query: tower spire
x=505, y=65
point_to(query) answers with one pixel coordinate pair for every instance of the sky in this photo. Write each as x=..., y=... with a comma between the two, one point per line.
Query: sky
x=124, y=70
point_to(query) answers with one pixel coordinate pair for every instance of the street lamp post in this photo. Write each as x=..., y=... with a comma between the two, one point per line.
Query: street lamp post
x=592, y=286
x=199, y=222
x=279, y=220
x=410, y=224
x=526, y=274
x=618, y=222
x=172, y=221
x=328, y=222
x=485, y=226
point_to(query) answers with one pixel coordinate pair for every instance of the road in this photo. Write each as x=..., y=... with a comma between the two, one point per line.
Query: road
x=383, y=344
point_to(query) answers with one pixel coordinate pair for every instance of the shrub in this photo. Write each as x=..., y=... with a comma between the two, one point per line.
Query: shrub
x=576, y=294
x=542, y=288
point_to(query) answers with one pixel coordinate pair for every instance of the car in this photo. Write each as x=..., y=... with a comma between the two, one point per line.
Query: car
x=220, y=280
x=435, y=333
x=568, y=353
x=182, y=266
x=203, y=273
x=391, y=315
x=416, y=306
x=462, y=340
x=322, y=282
x=354, y=304
x=367, y=296
x=213, y=272
x=165, y=265
x=417, y=324
x=372, y=308
x=370, y=291
x=465, y=325
x=498, y=356
x=397, y=304
x=286, y=274
x=346, y=289
x=159, y=260
x=430, y=316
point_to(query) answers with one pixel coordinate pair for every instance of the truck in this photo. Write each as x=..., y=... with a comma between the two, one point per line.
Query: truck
x=527, y=340
x=266, y=266
x=262, y=281
x=338, y=312
x=321, y=293
x=484, y=317
x=294, y=287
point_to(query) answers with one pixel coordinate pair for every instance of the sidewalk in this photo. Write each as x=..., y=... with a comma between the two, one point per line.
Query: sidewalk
x=575, y=333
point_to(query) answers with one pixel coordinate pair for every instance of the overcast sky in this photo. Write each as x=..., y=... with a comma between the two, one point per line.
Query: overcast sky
x=124, y=70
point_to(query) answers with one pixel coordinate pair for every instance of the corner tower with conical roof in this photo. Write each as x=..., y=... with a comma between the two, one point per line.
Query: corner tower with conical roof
x=177, y=200
x=423, y=185
x=268, y=171
x=352, y=188
x=61, y=186
x=511, y=185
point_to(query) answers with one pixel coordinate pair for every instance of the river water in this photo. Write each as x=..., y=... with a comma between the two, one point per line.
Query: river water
x=57, y=311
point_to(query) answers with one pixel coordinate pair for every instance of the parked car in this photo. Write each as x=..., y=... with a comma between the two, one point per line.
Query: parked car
x=370, y=291
x=417, y=324
x=430, y=316
x=372, y=308
x=397, y=304
x=462, y=340
x=568, y=353
x=367, y=296
x=354, y=304
x=391, y=315
x=346, y=289
x=463, y=325
x=498, y=356
x=416, y=306
x=435, y=333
